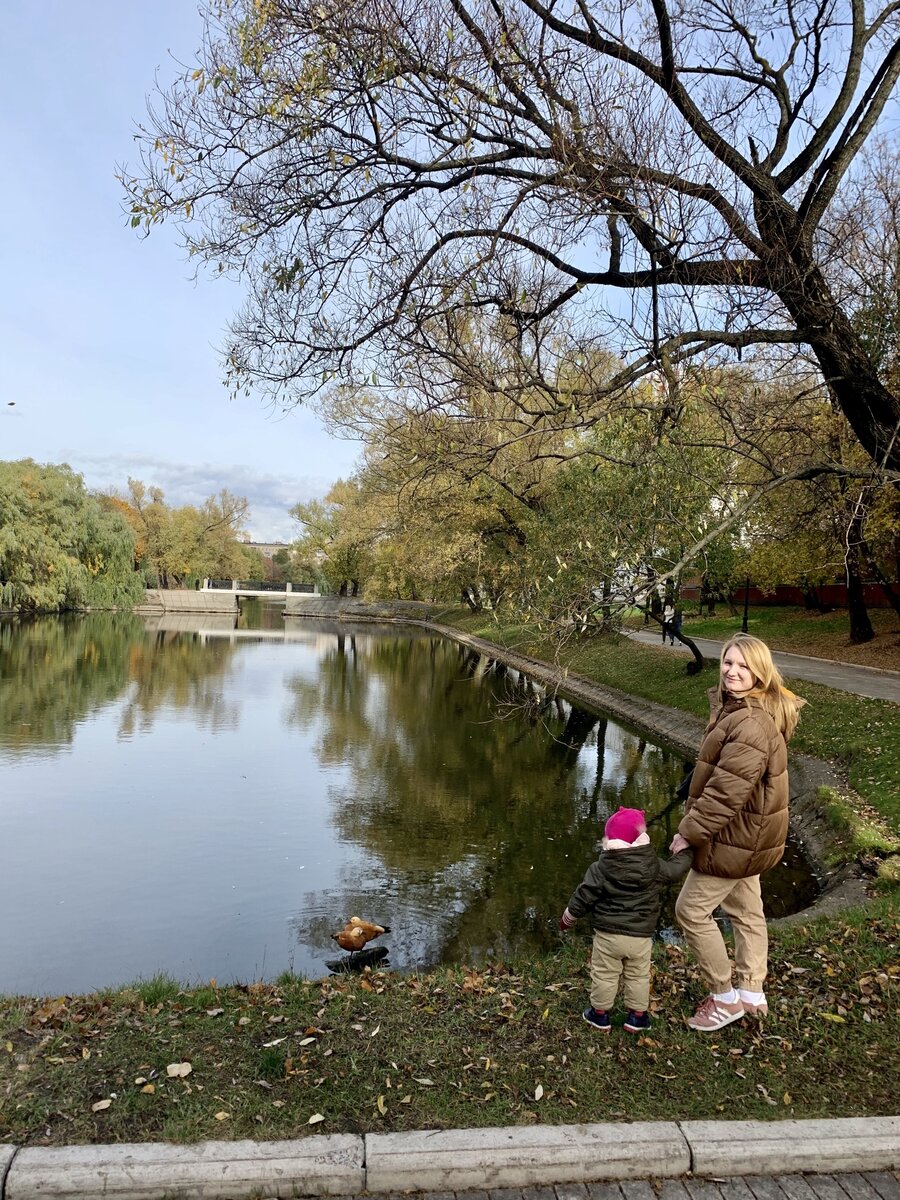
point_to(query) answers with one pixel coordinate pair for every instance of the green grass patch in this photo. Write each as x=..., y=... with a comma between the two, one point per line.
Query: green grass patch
x=503, y=1044
x=866, y=832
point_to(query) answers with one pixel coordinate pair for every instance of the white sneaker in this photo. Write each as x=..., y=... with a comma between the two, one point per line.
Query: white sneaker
x=752, y=1007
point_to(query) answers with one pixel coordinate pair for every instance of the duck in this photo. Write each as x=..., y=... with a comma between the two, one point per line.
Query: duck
x=357, y=932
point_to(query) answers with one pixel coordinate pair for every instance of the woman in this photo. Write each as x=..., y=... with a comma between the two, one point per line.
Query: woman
x=736, y=819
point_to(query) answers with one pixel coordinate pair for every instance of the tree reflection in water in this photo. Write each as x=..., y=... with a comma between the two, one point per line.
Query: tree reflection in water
x=478, y=795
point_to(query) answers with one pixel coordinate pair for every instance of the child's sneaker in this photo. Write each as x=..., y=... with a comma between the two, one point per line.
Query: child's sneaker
x=599, y=1020
x=714, y=1014
x=637, y=1022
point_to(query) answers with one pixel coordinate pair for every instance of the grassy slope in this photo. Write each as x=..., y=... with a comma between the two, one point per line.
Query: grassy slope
x=503, y=1044
x=798, y=631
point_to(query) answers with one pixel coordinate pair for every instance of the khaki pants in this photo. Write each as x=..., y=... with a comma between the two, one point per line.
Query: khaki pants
x=742, y=903
x=616, y=955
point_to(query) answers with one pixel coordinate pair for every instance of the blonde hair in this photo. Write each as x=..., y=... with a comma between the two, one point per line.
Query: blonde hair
x=768, y=691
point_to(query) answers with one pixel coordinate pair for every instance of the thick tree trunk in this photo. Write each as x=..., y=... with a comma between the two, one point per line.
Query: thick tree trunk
x=891, y=593
x=872, y=410
x=860, y=626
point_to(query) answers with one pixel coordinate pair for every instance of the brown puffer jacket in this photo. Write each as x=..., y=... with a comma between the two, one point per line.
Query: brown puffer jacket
x=736, y=814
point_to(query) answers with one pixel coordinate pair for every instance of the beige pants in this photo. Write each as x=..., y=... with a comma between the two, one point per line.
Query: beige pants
x=742, y=903
x=615, y=955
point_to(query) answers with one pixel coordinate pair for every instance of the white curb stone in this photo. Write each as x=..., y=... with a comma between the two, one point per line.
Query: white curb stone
x=783, y=1147
x=522, y=1156
x=6, y=1157
x=315, y=1166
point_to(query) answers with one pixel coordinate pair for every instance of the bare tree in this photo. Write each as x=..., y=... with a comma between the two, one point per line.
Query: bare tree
x=659, y=171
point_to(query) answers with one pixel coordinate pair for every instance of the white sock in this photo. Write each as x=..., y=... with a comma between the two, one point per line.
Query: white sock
x=729, y=997
x=752, y=997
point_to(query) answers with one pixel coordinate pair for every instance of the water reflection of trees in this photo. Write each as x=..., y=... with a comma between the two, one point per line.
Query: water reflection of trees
x=56, y=671
x=477, y=794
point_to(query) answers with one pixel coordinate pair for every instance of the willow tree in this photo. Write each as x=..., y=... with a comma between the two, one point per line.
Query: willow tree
x=661, y=172
x=60, y=548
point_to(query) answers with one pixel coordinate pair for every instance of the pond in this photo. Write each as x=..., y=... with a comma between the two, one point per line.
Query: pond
x=212, y=801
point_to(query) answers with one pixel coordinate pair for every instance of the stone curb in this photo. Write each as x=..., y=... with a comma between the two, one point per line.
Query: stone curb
x=314, y=1166
x=448, y=1160
x=787, y=1147
x=522, y=1156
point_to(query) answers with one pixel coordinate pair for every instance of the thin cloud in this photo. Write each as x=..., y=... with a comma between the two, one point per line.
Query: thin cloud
x=270, y=496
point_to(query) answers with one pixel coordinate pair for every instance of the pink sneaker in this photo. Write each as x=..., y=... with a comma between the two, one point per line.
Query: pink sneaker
x=715, y=1014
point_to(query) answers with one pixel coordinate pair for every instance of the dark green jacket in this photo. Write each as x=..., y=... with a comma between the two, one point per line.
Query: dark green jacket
x=622, y=890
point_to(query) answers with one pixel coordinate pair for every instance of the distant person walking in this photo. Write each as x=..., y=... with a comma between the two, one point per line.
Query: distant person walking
x=736, y=820
x=668, y=615
x=675, y=625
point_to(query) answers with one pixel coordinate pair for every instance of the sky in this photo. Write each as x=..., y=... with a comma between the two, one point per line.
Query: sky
x=109, y=349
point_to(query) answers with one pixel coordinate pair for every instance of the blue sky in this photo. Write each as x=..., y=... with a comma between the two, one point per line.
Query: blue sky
x=108, y=348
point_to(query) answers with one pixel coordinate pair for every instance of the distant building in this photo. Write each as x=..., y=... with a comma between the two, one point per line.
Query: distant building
x=267, y=549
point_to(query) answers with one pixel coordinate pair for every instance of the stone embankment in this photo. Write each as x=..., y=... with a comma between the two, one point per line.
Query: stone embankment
x=184, y=600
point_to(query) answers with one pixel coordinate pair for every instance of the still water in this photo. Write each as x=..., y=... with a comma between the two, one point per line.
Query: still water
x=187, y=797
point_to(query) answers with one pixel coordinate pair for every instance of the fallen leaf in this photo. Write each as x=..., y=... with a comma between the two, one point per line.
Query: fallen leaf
x=178, y=1070
x=85, y=1053
x=214, y=1012
x=101, y=1105
x=149, y=1088
x=315, y=1119
x=278, y=1103
x=276, y=1042
x=538, y=1092
x=382, y=1107
x=306, y=1041
x=833, y=1017
x=424, y=1082
x=222, y=1116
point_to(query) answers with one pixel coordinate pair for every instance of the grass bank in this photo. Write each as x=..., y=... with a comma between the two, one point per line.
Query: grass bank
x=499, y=1045
x=859, y=734
x=800, y=631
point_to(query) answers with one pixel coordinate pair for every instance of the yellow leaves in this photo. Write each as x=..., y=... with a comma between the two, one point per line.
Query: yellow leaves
x=179, y=1070
x=222, y=1115
x=827, y=1016
x=538, y=1092
x=315, y=1119
x=382, y=1107
x=101, y=1106
x=149, y=1089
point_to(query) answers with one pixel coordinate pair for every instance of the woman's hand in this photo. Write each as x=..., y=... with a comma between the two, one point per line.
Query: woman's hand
x=678, y=844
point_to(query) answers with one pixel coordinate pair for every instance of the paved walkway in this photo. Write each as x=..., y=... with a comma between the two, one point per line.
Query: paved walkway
x=871, y=1185
x=864, y=681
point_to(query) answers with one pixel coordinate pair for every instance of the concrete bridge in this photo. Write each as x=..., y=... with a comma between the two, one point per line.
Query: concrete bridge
x=258, y=587
x=218, y=596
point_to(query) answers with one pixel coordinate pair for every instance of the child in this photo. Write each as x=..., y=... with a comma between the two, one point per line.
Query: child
x=621, y=893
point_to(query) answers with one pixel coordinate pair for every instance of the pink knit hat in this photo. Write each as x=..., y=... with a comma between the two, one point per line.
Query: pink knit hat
x=625, y=825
